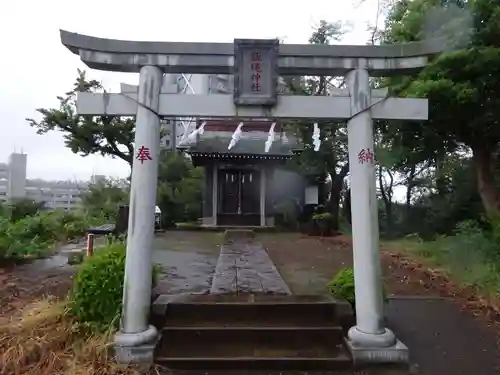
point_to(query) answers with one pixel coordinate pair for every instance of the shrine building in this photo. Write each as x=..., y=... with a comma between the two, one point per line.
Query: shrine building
x=240, y=182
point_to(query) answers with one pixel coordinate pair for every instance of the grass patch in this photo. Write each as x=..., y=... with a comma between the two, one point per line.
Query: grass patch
x=471, y=257
x=42, y=339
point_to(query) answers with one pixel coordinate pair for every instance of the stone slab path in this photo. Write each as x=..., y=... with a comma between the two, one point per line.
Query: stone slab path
x=184, y=271
x=245, y=267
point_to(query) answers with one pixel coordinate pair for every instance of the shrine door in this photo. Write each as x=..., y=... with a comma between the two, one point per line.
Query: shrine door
x=239, y=197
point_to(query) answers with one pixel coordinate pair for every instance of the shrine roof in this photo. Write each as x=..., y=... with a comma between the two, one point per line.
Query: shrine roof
x=245, y=146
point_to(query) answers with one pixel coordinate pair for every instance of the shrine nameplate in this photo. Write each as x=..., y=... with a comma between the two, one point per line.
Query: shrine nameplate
x=255, y=71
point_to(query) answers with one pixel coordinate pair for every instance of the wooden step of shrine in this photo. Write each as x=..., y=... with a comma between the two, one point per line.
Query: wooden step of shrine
x=253, y=333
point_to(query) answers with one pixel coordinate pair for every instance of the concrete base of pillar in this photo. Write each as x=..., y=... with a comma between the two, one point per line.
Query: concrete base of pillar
x=376, y=349
x=395, y=354
x=379, y=340
x=136, y=348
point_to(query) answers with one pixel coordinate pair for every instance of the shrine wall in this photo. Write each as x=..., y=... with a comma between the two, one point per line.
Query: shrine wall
x=207, y=192
x=285, y=190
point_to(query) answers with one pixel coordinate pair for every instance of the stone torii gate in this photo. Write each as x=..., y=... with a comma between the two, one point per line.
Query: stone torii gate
x=256, y=65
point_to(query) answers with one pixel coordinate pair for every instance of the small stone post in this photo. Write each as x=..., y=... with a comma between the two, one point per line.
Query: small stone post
x=369, y=331
x=90, y=244
x=136, y=339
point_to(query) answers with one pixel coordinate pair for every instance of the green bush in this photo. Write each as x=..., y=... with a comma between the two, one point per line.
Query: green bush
x=34, y=236
x=22, y=208
x=21, y=240
x=342, y=287
x=96, y=295
x=72, y=225
x=323, y=216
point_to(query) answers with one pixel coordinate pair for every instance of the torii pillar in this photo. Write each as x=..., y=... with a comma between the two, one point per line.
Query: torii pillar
x=136, y=338
x=369, y=340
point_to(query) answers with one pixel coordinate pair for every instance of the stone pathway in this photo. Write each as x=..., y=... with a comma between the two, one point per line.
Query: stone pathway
x=184, y=272
x=58, y=261
x=245, y=267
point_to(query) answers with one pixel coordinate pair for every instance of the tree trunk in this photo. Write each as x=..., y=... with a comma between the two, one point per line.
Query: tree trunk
x=483, y=163
x=336, y=192
x=442, y=187
x=410, y=180
x=409, y=189
x=386, y=198
x=347, y=206
x=334, y=208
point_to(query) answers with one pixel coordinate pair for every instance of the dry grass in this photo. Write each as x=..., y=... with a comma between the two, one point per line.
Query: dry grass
x=42, y=339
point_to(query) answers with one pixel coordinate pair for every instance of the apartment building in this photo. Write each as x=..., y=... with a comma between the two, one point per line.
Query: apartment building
x=56, y=194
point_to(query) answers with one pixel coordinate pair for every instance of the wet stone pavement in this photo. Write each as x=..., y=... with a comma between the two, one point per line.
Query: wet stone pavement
x=58, y=261
x=184, y=272
x=245, y=267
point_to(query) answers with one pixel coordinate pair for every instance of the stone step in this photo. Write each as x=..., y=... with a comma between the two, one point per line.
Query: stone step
x=297, y=365
x=373, y=370
x=254, y=314
x=239, y=234
x=251, y=310
x=252, y=332
x=244, y=341
x=248, y=348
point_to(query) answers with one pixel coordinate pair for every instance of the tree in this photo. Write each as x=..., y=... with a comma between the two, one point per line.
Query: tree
x=456, y=200
x=180, y=186
x=386, y=182
x=332, y=156
x=463, y=86
x=85, y=135
x=103, y=198
x=23, y=207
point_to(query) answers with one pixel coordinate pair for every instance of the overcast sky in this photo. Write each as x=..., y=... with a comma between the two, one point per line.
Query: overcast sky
x=35, y=67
